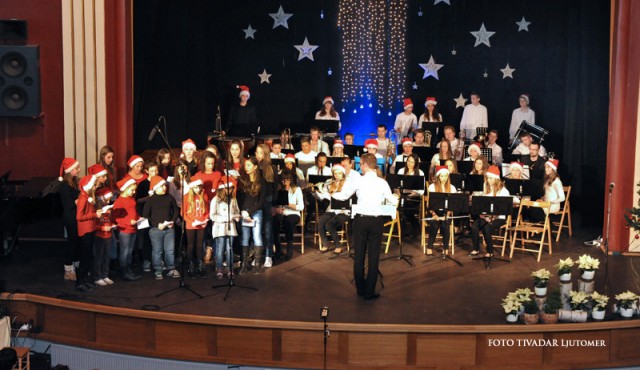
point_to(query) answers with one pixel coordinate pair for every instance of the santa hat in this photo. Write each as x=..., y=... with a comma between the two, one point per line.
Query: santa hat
x=553, y=163
x=430, y=100
x=407, y=103
x=188, y=144
x=407, y=141
x=441, y=170
x=104, y=194
x=125, y=183
x=244, y=90
x=225, y=183
x=371, y=143
x=134, y=160
x=337, y=143
x=195, y=181
x=516, y=164
x=338, y=167
x=156, y=183
x=493, y=172
x=68, y=164
x=475, y=146
x=525, y=97
x=97, y=170
x=87, y=183
x=290, y=158
x=327, y=99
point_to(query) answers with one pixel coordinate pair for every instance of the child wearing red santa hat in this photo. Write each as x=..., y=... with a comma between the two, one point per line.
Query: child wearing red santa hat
x=87, y=216
x=102, y=242
x=196, y=215
x=125, y=215
x=69, y=191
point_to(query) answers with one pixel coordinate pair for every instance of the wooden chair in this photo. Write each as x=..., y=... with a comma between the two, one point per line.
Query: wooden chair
x=504, y=234
x=393, y=224
x=424, y=225
x=529, y=230
x=300, y=234
x=564, y=212
x=24, y=358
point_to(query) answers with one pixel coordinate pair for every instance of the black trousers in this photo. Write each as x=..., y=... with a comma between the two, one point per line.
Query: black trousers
x=444, y=230
x=329, y=222
x=86, y=258
x=74, y=249
x=481, y=225
x=288, y=224
x=367, y=234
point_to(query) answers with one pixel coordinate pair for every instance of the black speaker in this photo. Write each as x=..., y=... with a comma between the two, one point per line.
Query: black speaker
x=19, y=81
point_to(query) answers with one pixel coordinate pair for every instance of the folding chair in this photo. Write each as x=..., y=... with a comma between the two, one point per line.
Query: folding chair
x=425, y=226
x=528, y=230
x=564, y=212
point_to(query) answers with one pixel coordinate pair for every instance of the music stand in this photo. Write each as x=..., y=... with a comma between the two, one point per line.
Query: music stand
x=465, y=167
x=456, y=203
x=487, y=153
x=403, y=183
x=435, y=128
x=334, y=160
x=354, y=150
x=425, y=153
x=327, y=125
x=457, y=180
x=487, y=205
x=474, y=183
x=287, y=151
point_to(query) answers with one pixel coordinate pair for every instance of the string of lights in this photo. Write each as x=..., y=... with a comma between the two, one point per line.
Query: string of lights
x=374, y=51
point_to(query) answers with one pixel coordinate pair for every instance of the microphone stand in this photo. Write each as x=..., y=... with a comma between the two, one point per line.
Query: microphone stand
x=181, y=247
x=325, y=314
x=606, y=243
x=228, y=248
x=401, y=256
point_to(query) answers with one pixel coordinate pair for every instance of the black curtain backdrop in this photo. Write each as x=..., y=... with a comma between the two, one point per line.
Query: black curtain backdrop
x=190, y=55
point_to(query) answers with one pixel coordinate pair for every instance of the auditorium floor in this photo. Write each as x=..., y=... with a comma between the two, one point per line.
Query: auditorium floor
x=435, y=292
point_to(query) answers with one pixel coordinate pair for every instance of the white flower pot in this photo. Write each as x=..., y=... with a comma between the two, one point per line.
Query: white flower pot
x=588, y=274
x=597, y=315
x=626, y=312
x=565, y=278
x=541, y=292
x=512, y=317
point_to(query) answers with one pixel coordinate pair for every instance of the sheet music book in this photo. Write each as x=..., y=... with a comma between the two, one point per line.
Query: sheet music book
x=142, y=223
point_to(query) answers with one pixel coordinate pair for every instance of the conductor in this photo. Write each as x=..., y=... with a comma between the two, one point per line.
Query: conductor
x=372, y=192
x=242, y=117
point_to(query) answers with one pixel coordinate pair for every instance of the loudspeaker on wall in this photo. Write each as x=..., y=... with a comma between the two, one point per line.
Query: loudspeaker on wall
x=19, y=81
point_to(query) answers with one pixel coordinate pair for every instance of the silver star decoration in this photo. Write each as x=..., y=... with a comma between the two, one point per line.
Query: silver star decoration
x=523, y=25
x=482, y=36
x=415, y=85
x=329, y=72
x=485, y=74
x=264, y=77
x=436, y=2
x=460, y=101
x=431, y=68
x=249, y=32
x=281, y=18
x=454, y=51
x=507, y=72
x=420, y=11
x=306, y=50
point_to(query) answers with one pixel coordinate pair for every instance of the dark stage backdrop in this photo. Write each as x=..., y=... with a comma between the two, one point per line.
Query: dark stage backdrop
x=190, y=55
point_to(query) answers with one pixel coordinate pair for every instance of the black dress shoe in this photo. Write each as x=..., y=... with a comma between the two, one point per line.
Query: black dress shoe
x=372, y=297
x=84, y=288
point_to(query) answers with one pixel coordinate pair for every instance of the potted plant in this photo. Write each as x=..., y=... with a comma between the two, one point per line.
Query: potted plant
x=599, y=303
x=530, y=315
x=540, y=281
x=549, y=314
x=627, y=303
x=564, y=269
x=588, y=266
x=513, y=303
x=579, y=301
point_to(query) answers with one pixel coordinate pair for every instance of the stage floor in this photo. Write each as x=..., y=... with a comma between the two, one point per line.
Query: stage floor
x=433, y=292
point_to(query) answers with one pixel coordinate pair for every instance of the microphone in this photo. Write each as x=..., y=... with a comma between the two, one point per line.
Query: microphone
x=611, y=186
x=218, y=120
x=258, y=132
x=324, y=313
x=153, y=132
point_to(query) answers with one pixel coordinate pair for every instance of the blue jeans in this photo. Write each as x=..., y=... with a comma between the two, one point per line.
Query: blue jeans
x=223, y=245
x=267, y=225
x=256, y=231
x=127, y=243
x=162, y=240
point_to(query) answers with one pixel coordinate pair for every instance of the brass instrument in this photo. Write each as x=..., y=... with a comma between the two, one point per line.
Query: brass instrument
x=286, y=142
x=427, y=138
x=459, y=151
x=391, y=150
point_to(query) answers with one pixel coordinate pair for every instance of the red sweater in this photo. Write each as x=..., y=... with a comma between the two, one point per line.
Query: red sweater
x=210, y=181
x=200, y=212
x=103, y=226
x=86, y=215
x=123, y=211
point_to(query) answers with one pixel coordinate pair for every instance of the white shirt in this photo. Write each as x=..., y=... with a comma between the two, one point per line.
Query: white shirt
x=400, y=158
x=276, y=156
x=383, y=144
x=326, y=171
x=305, y=161
x=405, y=123
x=496, y=153
x=322, y=146
x=432, y=188
x=522, y=149
x=372, y=192
x=327, y=117
x=554, y=194
x=474, y=116
x=516, y=120
x=295, y=197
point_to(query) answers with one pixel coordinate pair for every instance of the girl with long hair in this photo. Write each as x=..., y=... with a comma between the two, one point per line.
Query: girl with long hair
x=438, y=218
x=263, y=156
x=493, y=187
x=332, y=219
x=196, y=216
x=253, y=191
x=107, y=161
x=69, y=191
x=224, y=213
x=288, y=215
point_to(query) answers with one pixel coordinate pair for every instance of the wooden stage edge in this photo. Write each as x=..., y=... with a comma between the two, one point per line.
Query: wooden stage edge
x=300, y=344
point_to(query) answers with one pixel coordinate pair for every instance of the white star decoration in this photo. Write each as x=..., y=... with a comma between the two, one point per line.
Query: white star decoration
x=523, y=25
x=431, y=68
x=264, y=77
x=436, y=2
x=249, y=32
x=482, y=36
x=454, y=51
x=485, y=74
x=306, y=50
x=415, y=85
x=507, y=71
x=460, y=101
x=281, y=18
x=329, y=72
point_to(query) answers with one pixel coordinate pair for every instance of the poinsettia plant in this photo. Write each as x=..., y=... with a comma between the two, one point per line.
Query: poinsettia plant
x=541, y=278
